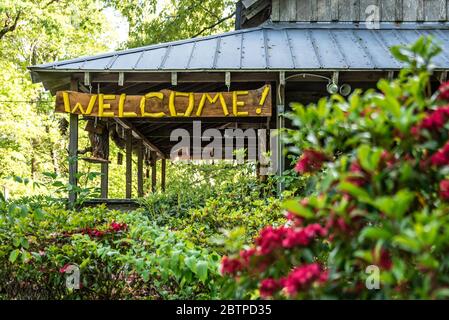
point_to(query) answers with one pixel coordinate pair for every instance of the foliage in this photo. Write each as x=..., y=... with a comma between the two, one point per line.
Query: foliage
x=203, y=201
x=169, y=249
x=33, y=32
x=119, y=255
x=156, y=22
x=30, y=141
x=379, y=207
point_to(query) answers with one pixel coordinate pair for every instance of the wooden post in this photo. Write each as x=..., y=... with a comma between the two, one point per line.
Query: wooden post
x=105, y=173
x=73, y=152
x=129, y=161
x=140, y=169
x=163, y=171
x=153, y=171
x=280, y=123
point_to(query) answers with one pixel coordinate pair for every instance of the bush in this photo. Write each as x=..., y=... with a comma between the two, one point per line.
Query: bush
x=204, y=201
x=168, y=249
x=119, y=255
x=379, y=166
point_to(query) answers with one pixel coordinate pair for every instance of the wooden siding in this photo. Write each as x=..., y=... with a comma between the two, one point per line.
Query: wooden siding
x=355, y=10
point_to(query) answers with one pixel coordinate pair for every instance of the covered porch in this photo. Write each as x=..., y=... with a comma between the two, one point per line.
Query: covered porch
x=301, y=63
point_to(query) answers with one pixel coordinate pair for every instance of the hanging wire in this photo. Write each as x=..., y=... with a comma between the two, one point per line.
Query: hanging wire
x=26, y=101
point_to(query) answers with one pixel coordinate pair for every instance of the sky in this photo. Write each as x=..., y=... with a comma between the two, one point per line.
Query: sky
x=120, y=26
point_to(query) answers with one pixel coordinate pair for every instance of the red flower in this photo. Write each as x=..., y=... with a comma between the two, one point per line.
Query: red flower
x=444, y=91
x=436, y=119
x=360, y=178
x=415, y=131
x=297, y=220
x=230, y=266
x=388, y=158
x=272, y=238
x=246, y=255
x=338, y=223
x=64, y=268
x=118, y=226
x=97, y=233
x=444, y=190
x=356, y=167
x=303, y=277
x=441, y=157
x=310, y=161
x=383, y=259
x=268, y=287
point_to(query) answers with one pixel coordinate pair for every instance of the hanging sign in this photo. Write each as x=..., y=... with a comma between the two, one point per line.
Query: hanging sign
x=167, y=103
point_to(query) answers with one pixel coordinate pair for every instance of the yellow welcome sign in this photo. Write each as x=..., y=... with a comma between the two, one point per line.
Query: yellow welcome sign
x=168, y=103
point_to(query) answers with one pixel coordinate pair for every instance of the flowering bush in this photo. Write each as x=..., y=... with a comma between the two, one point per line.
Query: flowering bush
x=377, y=223
x=119, y=255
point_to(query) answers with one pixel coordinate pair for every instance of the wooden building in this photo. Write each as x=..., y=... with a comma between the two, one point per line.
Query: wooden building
x=302, y=49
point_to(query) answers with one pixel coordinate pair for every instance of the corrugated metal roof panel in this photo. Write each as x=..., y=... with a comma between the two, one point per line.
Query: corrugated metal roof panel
x=269, y=47
x=304, y=52
x=329, y=54
x=203, y=55
x=253, y=51
x=376, y=51
x=125, y=61
x=151, y=59
x=97, y=64
x=230, y=52
x=279, y=53
x=178, y=56
x=355, y=54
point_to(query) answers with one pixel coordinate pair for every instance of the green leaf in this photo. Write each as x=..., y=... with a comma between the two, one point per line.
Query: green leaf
x=190, y=263
x=201, y=270
x=295, y=207
x=51, y=175
x=16, y=242
x=368, y=158
x=58, y=184
x=395, y=206
x=355, y=191
x=26, y=256
x=407, y=243
x=13, y=255
x=442, y=293
x=24, y=243
x=375, y=233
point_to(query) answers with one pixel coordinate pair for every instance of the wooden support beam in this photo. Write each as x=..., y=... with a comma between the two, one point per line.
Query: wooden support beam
x=105, y=173
x=73, y=152
x=140, y=150
x=153, y=171
x=129, y=161
x=163, y=173
x=129, y=126
x=280, y=124
x=182, y=77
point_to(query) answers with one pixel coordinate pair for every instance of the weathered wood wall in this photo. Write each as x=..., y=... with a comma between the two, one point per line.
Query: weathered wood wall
x=356, y=10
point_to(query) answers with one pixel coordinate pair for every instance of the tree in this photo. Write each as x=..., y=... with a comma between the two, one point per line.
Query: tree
x=33, y=32
x=155, y=22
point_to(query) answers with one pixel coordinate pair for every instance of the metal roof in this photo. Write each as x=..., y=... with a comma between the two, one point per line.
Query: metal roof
x=290, y=46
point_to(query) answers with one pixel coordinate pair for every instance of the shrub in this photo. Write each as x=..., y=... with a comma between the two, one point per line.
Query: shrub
x=119, y=255
x=200, y=208
x=379, y=166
